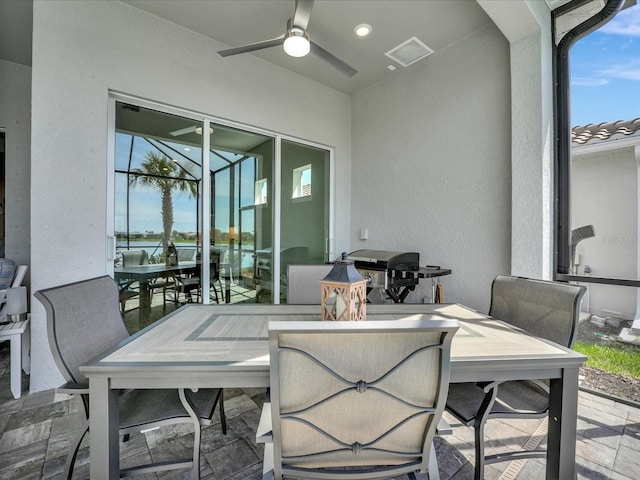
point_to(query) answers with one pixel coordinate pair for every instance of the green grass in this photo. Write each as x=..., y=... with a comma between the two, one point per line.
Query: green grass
x=620, y=360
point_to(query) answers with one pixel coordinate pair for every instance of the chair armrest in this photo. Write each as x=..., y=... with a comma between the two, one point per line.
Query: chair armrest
x=264, y=433
x=71, y=388
x=542, y=384
x=487, y=387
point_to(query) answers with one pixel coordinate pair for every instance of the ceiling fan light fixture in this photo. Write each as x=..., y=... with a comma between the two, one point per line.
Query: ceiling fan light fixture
x=362, y=30
x=198, y=130
x=296, y=42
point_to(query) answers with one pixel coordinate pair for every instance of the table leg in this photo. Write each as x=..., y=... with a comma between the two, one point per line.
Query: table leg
x=16, y=357
x=144, y=310
x=563, y=417
x=103, y=430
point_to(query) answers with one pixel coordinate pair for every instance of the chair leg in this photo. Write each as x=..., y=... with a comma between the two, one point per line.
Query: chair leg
x=223, y=416
x=73, y=453
x=215, y=292
x=195, y=471
x=434, y=473
x=479, y=441
x=481, y=419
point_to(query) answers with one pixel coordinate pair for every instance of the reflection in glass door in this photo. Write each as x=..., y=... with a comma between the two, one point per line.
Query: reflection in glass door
x=304, y=207
x=157, y=181
x=166, y=211
x=241, y=213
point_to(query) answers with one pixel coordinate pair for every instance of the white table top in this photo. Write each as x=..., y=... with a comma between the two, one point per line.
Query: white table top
x=199, y=338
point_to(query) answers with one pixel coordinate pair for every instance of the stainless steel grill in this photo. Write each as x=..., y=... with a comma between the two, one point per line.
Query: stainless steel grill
x=396, y=273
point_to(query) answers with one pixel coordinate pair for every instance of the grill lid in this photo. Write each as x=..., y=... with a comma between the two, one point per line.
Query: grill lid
x=385, y=260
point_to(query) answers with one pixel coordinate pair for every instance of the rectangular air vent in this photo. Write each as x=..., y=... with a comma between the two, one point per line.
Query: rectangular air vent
x=409, y=52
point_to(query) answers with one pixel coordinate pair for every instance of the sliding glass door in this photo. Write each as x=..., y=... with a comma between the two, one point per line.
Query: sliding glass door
x=304, y=207
x=257, y=211
x=241, y=210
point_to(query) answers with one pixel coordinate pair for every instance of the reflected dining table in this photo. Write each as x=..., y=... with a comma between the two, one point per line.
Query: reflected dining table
x=204, y=346
x=145, y=274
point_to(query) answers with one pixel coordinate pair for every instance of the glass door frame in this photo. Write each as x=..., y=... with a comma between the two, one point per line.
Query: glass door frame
x=205, y=197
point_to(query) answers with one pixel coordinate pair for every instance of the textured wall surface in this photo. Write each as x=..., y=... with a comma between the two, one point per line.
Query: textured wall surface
x=431, y=167
x=81, y=50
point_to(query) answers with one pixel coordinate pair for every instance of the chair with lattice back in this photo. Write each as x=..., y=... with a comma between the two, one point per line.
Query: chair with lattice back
x=355, y=399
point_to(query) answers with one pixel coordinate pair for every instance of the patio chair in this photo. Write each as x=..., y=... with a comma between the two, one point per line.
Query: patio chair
x=355, y=399
x=303, y=283
x=134, y=257
x=128, y=291
x=83, y=319
x=187, y=284
x=545, y=309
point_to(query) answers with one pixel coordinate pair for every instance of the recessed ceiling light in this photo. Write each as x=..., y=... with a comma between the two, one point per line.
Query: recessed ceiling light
x=187, y=149
x=362, y=30
x=391, y=67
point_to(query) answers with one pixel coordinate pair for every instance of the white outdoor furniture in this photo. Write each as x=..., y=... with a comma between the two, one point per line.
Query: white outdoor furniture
x=18, y=334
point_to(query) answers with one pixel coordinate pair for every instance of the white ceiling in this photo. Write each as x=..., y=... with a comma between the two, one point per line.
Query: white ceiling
x=437, y=23
x=238, y=22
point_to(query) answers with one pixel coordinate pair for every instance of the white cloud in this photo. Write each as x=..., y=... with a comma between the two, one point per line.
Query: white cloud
x=588, y=82
x=627, y=22
x=629, y=71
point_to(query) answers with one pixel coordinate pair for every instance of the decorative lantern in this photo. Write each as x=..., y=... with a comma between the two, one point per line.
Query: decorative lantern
x=344, y=292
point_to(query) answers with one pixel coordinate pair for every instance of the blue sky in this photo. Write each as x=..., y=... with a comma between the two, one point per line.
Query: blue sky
x=605, y=72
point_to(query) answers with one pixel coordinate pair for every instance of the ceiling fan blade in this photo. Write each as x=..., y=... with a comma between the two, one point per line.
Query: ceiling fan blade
x=252, y=47
x=333, y=60
x=183, y=131
x=302, y=13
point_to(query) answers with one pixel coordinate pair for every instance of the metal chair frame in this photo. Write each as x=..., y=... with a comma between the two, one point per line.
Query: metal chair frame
x=339, y=443
x=546, y=309
x=83, y=319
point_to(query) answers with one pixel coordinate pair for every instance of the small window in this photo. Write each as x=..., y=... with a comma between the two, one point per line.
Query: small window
x=261, y=192
x=301, y=182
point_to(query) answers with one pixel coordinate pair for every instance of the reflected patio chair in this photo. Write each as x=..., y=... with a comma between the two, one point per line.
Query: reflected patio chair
x=355, y=399
x=128, y=289
x=303, y=283
x=83, y=319
x=188, y=284
x=545, y=309
x=132, y=258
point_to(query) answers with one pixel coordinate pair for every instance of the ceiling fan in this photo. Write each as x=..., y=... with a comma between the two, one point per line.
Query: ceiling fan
x=295, y=40
x=194, y=128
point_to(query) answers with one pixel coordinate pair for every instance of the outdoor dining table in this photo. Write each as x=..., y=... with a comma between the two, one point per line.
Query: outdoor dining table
x=204, y=346
x=144, y=274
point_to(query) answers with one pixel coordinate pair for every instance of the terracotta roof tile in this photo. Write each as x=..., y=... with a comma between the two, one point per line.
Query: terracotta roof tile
x=594, y=133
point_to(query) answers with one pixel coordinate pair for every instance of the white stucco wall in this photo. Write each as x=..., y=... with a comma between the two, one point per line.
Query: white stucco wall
x=431, y=167
x=81, y=50
x=527, y=26
x=15, y=119
x=604, y=193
